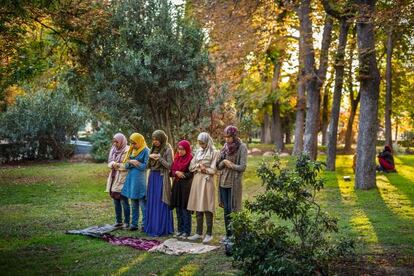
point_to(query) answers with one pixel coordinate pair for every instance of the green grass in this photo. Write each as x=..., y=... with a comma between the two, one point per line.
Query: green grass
x=39, y=202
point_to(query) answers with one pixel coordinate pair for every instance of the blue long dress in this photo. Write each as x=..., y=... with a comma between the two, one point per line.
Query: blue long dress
x=159, y=216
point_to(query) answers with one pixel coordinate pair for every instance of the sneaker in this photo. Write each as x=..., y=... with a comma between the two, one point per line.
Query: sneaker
x=207, y=239
x=125, y=226
x=224, y=240
x=177, y=234
x=184, y=236
x=194, y=237
x=118, y=224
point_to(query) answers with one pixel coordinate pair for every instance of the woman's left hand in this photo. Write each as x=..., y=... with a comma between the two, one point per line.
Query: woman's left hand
x=228, y=164
x=134, y=163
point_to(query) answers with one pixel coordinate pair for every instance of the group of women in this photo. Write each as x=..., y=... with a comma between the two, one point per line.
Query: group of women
x=192, y=189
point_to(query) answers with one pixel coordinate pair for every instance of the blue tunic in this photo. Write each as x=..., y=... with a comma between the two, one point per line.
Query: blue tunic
x=135, y=183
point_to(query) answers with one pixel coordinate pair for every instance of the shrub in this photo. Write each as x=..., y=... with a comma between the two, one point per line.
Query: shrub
x=40, y=124
x=284, y=230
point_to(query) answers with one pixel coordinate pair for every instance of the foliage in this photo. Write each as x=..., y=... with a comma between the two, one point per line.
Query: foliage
x=150, y=69
x=43, y=122
x=297, y=243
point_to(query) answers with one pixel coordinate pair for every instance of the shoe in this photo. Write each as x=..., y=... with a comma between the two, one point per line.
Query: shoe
x=194, y=237
x=177, y=234
x=207, y=239
x=184, y=236
x=118, y=224
x=133, y=228
x=224, y=240
x=125, y=226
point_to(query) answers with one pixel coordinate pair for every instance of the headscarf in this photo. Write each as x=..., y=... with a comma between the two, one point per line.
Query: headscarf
x=141, y=144
x=160, y=136
x=230, y=148
x=209, y=150
x=387, y=148
x=181, y=163
x=115, y=154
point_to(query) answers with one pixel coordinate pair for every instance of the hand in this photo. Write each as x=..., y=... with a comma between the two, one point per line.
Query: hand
x=228, y=163
x=115, y=166
x=154, y=156
x=202, y=167
x=179, y=174
x=134, y=163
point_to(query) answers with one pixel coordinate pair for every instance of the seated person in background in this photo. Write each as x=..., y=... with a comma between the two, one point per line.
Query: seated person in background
x=386, y=160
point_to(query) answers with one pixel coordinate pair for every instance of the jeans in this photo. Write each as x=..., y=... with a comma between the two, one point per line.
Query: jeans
x=183, y=220
x=120, y=204
x=225, y=197
x=136, y=205
x=209, y=221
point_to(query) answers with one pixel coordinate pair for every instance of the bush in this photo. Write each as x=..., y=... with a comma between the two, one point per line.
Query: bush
x=101, y=144
x=284, y=231
x=40, y=124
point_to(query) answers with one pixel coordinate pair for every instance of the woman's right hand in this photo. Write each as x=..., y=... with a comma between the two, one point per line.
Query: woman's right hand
x=134, y=162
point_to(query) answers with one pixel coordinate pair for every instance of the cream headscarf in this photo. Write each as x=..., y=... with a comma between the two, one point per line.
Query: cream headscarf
x=209, y=150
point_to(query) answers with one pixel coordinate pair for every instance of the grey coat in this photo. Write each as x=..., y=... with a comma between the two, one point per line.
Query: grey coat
x=239, y=168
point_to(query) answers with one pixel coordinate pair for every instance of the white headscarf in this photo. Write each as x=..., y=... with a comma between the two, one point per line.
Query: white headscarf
x=208, y=152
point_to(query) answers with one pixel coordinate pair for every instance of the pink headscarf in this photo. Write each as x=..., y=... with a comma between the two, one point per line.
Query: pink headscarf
x=116, y=154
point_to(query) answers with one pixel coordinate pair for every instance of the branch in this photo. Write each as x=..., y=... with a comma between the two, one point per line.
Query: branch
x=335, y=13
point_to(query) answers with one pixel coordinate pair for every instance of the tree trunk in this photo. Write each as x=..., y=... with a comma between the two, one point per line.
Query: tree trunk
x=388, y=90
x=277, y=135
x=325, y=116
x=369, y=78
x=396, y=132
x=349, y=134
x=336, y=102
x=301, y=104
x=266, y=130
x=354, y=102
x=315, y=78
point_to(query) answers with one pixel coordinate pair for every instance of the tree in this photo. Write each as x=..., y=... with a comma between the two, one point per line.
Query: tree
x=152, y=63
x=314, y=77
x=369, y=80
x=339, y=80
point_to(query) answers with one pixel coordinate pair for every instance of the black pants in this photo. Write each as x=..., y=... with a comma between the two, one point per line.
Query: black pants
x=225, y=197
x=209, y=221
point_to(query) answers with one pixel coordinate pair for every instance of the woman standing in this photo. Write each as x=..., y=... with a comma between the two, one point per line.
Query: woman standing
x=159, y=215
x=181, y=187
x=116, y=178
x=202, y=195
x=232, y=164
x=134, y=188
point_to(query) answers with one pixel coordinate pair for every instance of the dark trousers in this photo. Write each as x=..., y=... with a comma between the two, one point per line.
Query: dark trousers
x=183, y=220
x=209, y=221
x=225, y=197
x=120, y=204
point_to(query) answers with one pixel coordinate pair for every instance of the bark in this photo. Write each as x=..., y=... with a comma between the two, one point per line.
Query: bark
x=365, y=177
x=301, y=104
x=277, y=135
x=354, y=102
x=388, y=90
x=325, y=116
x=315, y=78
x=336, y=102
x=266, y=136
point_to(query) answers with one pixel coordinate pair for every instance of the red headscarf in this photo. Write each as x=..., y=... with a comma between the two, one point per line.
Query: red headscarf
x=181, y=163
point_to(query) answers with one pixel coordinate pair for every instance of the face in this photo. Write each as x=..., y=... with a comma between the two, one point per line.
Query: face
x=133, y=144
x=181, y=151
x=229, y=139
x=202, y=144
x=116, y=143
x=155, y=142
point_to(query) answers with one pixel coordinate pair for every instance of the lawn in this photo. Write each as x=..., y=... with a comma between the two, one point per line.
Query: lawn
x=39, y=202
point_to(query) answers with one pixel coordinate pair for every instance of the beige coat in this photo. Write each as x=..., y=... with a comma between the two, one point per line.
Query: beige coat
x=202, y=194
x=120, y=175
